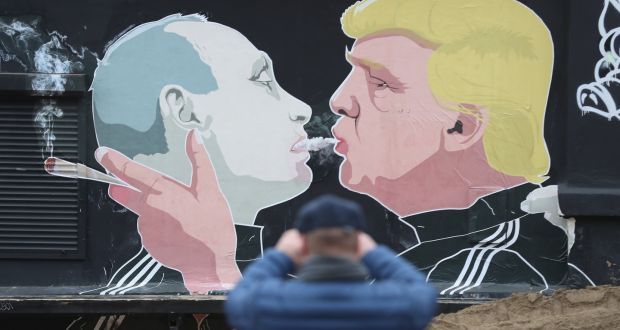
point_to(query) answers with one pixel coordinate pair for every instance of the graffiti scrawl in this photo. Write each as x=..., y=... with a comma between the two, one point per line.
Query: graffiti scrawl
x=600, y=97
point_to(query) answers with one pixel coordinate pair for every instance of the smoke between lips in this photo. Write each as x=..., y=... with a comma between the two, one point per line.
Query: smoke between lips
x=314, y=144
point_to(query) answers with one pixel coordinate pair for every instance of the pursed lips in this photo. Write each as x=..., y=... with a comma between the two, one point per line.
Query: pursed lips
x=341, y=147
x=293, y=150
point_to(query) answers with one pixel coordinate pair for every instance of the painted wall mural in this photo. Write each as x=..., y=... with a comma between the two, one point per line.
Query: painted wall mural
x=202, y=158
x=432, y=119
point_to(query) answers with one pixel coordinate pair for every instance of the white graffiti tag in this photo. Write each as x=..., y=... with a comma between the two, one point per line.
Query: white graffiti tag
x=600, y=96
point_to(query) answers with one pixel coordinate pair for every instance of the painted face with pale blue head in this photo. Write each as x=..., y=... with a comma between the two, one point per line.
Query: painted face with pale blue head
x=167, y=77
x=254, y=120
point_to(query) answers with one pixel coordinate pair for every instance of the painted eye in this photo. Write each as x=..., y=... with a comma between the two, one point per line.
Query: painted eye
x=379, y=83
x=264, y=79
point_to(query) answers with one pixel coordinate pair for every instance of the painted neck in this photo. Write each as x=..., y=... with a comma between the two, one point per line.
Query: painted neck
x=176, y=164
x=244, y=210
x=448, y=180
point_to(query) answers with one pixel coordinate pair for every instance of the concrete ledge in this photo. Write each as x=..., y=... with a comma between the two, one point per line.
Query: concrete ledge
x=137, y=304
x=149, y=304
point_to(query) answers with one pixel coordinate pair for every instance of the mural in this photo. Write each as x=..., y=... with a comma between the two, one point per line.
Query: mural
x=442, y=127
x=438, y=128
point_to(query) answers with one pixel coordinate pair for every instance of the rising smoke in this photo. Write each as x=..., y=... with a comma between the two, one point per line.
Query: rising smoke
x=44, y=120
x=25, y=46
x=320, y=126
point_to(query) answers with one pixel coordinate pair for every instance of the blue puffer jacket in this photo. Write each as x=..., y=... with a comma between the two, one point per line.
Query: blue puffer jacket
x=399, y=298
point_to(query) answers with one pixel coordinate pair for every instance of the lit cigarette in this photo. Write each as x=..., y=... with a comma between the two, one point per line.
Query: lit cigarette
x=314, y=144
x=61, y=167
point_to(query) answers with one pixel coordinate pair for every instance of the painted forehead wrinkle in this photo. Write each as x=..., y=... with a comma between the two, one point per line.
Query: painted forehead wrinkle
x=364, y=62
x=372, y=65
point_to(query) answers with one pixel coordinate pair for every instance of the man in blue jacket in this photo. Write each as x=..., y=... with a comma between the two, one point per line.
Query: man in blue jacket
x=334, y=261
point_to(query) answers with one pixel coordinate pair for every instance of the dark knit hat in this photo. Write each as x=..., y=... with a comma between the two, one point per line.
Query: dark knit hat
x=330, y=211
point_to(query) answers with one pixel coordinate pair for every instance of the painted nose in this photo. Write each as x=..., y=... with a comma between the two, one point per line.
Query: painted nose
x=344, y=103
x=300, y=113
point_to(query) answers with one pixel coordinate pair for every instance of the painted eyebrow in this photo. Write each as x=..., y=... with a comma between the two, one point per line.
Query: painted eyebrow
x=363, y=62
x=371, y=65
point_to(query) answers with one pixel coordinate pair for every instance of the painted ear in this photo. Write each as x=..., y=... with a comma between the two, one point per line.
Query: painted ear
x=175, y=103
x=467, y=129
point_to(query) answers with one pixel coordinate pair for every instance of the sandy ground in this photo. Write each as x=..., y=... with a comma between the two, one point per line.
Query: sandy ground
x=590, y=308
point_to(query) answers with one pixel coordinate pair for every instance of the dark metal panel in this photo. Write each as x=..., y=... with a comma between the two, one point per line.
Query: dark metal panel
x=22, y=84
x=41, y=216
x=590, y=184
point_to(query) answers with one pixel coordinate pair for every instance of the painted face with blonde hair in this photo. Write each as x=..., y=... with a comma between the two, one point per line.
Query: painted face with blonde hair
x=443, y=95
x=391, y=122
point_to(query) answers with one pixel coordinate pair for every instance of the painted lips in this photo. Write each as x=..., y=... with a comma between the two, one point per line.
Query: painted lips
x=296, y=150
x=341, y=147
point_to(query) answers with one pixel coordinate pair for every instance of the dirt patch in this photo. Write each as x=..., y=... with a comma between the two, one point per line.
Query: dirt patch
x=590, y=308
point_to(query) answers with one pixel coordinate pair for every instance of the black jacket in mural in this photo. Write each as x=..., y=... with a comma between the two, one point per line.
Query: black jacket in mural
x=143, y=274
x=493, y=247
x=493, y=242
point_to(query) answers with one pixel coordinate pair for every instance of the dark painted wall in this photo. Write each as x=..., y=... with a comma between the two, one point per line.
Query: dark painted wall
x=305, y=41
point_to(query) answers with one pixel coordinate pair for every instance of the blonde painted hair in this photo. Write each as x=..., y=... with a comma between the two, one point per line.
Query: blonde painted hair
x=497, y=54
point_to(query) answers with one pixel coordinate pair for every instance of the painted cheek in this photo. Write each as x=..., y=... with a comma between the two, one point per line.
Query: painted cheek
x=386, y=104
x=382, y=97
x=421, y=138
x=365, y=151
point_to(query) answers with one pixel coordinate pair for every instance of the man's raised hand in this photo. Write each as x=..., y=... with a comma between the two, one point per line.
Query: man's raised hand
x=188, y=228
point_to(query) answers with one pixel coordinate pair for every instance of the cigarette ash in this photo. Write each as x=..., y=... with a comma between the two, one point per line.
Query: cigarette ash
x=49, y=164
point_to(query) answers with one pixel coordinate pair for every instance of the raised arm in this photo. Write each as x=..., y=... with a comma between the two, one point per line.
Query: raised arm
x=391, y=273
x=271, y=270
x=187, y=228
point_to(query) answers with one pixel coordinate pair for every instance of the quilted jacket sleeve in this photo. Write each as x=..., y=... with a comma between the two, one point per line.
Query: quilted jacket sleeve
x=240, y=305
x=391, y=272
